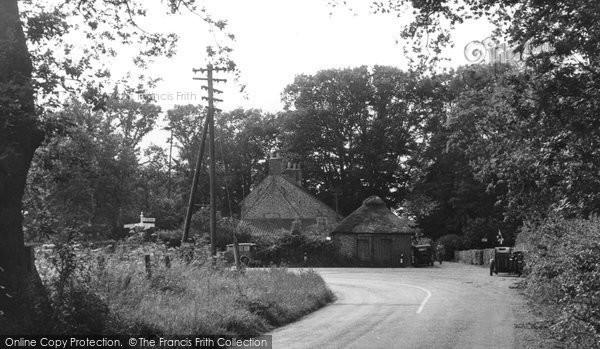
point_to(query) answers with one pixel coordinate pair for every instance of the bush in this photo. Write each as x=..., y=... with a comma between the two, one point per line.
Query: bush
x=452, y=242
x=290, y=249
x=563, y=266
x=171, y=238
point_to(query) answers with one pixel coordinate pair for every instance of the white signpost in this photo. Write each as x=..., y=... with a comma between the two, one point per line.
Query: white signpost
x=145, y=223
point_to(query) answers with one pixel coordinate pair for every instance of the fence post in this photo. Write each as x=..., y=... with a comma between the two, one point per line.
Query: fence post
x=148, y=266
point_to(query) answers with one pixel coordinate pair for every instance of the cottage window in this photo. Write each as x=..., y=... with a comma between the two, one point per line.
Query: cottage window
x=322, y=220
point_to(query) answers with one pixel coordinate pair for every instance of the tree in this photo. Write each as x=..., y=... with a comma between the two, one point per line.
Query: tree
x=186, y=123
x=541, y=122
x=20, y=127
x=358, y=130
x=244, y=139
x=19, y=137
x=87, y=175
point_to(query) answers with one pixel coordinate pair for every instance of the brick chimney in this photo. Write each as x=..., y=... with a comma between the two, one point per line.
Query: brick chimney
x=275, y=163
x=293, y=172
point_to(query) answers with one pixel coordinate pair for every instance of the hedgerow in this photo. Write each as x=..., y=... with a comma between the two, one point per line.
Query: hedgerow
x=563, y=265
x=109, y=291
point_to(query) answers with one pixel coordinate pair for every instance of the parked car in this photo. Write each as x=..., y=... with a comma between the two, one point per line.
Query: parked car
x=247, y=252
x=507, y=260
x=422, y=255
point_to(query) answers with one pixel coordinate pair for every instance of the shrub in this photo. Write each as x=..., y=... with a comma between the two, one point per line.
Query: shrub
x=290, y=249
x=563, y=265
x=171, y=238
x=451, y=242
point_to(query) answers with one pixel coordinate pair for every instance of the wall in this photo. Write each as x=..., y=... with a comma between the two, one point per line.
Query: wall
x=475, y=257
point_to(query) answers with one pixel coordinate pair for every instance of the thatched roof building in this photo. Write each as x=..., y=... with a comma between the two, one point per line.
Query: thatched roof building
x=374, y=217
x=373, y=235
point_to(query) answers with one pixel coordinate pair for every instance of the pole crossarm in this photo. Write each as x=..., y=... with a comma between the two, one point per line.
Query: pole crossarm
x=209, y=128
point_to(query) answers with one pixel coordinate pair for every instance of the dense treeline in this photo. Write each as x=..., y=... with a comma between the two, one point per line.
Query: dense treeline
x=462, y=158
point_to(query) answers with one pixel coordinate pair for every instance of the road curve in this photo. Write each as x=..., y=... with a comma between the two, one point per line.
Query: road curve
x=447, y=306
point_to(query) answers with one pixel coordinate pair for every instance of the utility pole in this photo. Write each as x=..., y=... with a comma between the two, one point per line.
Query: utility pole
x=209, y=127
x=169, y=128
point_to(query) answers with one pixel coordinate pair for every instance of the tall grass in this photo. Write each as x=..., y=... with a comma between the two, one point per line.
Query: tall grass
x=187, y=298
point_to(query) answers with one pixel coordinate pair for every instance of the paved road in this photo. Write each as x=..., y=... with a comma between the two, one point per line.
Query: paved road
x=447, y=306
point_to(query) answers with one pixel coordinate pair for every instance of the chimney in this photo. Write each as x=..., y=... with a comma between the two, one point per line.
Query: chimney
x=293, y=173
x=275, y=164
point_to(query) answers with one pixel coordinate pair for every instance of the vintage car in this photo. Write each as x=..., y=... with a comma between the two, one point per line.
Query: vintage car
x=247, y=253
x=422, y=255
x=507, y=260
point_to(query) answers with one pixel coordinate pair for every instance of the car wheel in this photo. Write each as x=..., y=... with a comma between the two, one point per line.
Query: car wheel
x=245, y=260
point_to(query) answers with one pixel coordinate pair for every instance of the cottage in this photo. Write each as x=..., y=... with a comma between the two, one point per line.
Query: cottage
x=280, y=203
x=373, y=235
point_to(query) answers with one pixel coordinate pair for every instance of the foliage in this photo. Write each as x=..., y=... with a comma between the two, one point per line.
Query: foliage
x=244, y=138
x=530, y=158
x=74, y=43
x=452, y=242
x=451, y=193
x=76, y=309
x=536, y=129
x=563, y=266
x=87, y=173
x=191, y=297
x=286, y=248
x=358, y=130
x=40, y=60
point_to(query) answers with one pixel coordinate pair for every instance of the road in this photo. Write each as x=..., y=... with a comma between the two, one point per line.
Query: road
x=447, y=306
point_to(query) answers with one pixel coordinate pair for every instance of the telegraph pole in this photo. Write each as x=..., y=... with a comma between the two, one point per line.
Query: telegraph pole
x=209, y=127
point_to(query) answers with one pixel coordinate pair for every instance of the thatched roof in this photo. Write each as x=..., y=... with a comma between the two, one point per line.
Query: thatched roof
x=373, y=217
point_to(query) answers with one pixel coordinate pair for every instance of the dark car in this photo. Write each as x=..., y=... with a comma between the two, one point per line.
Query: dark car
x=422, y=255
x=507, y=260
x=247, y=253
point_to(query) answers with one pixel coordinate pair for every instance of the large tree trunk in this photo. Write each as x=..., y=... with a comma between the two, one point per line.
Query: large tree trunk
x=19, y=137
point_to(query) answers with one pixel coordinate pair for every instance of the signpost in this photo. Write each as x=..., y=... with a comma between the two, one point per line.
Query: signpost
x=145, y=223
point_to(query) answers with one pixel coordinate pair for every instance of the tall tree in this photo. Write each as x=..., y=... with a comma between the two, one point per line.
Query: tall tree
x=245, y=139
x=19, y=137
x=20, y=129
x=358, y=130
x=87, y=175
x=545, y=149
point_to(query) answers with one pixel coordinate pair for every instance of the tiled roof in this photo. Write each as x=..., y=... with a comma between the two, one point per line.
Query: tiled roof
x=279, y=197
x=270, y=226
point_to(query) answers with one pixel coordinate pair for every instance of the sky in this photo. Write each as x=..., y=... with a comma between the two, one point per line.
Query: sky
x=277, y=40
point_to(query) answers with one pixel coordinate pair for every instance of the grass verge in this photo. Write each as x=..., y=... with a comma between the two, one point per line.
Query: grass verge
x=111, y=293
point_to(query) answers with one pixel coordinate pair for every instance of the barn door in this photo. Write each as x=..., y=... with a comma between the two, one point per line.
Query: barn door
x=384, y=251
x=363, y=250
